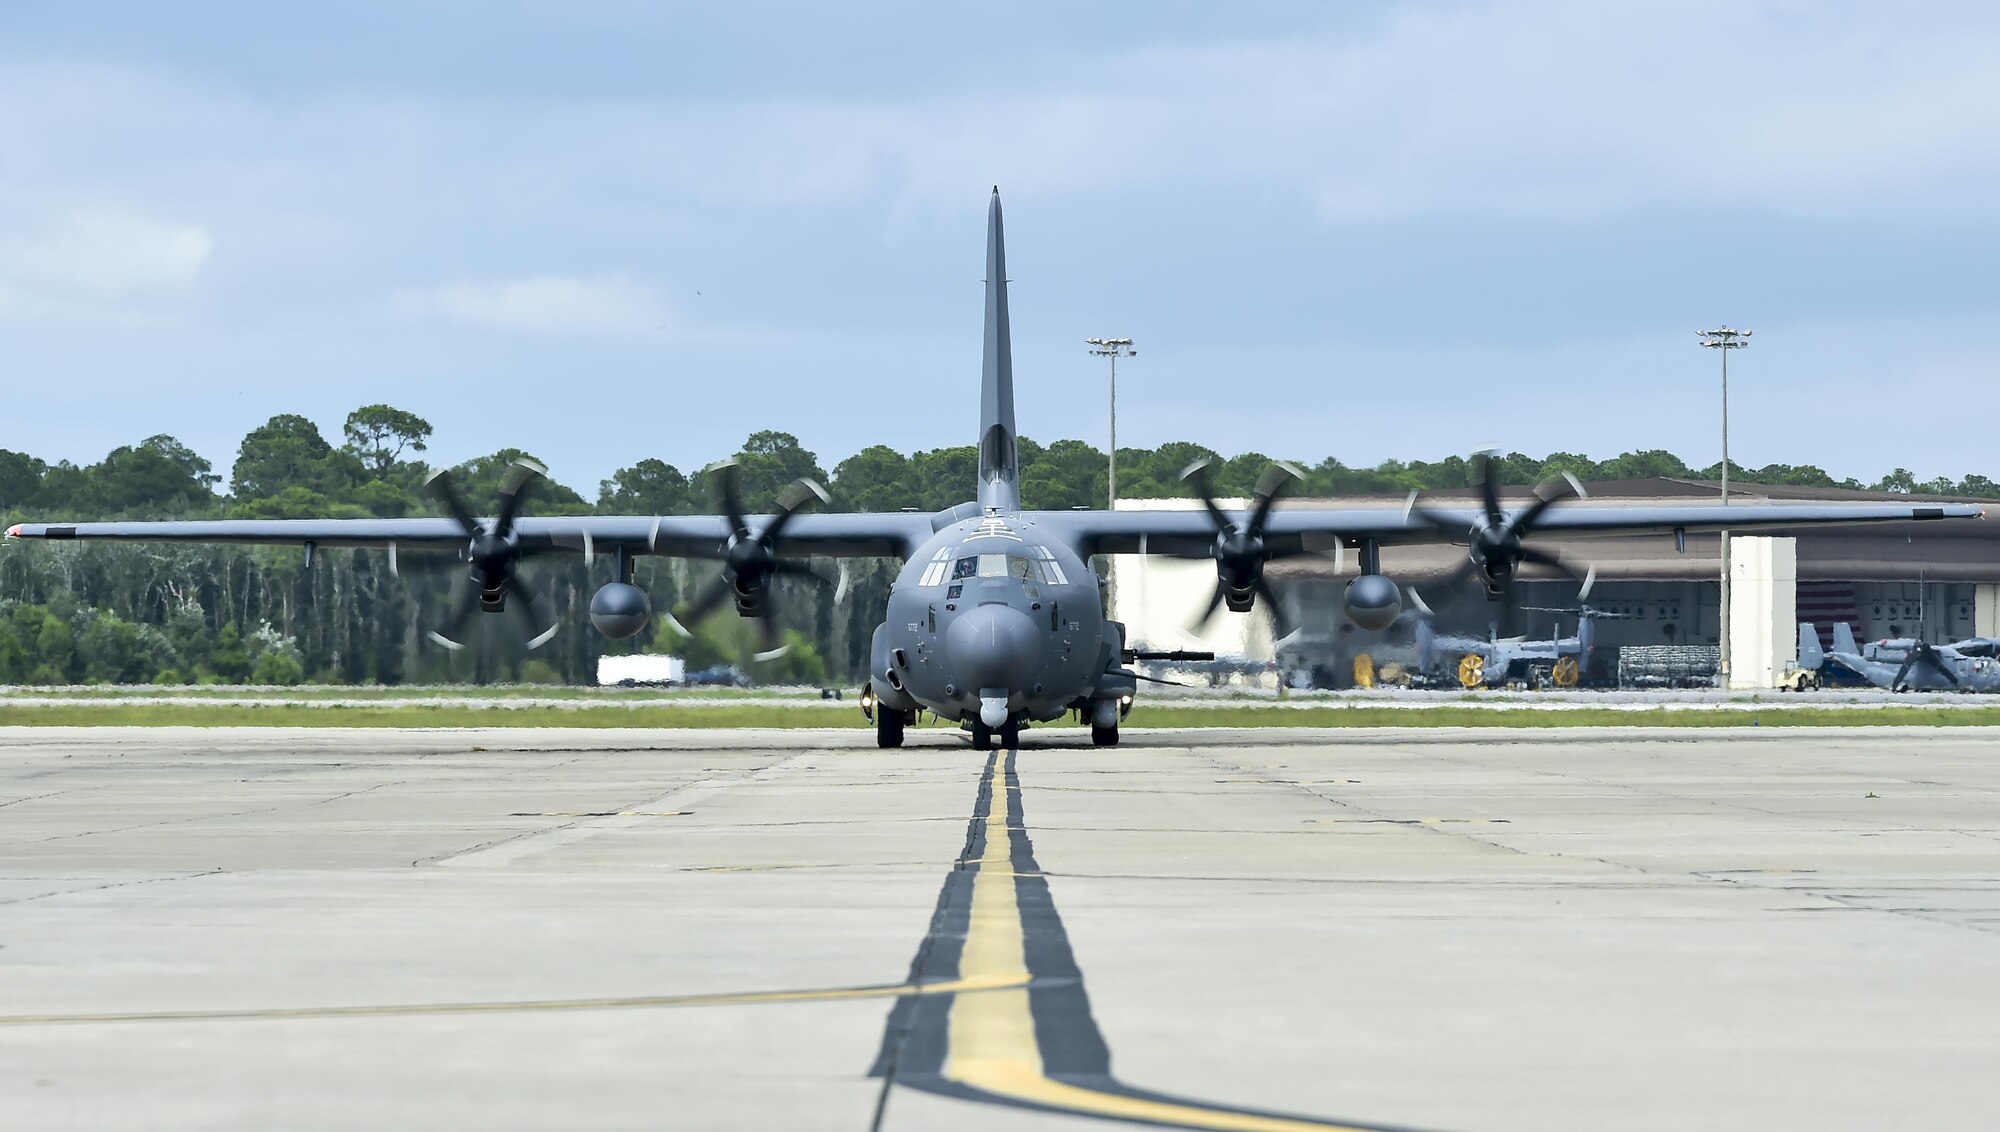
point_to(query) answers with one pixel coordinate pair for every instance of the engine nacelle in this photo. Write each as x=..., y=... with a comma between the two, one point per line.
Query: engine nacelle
x=620, y=609
x=1373, y=602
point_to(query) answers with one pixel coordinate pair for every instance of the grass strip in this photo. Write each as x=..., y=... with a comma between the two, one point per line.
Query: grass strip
x=752, y=714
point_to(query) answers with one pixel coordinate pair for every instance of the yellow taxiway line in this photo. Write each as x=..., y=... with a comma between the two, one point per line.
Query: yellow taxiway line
x=992, y=1045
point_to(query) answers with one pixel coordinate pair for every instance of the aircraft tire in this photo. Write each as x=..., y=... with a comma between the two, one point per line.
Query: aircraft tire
x=1010, y=737
x=888, y=727
x=1104, y=736
x=982, y=736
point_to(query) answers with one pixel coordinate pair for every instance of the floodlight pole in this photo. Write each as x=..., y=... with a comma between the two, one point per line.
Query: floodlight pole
x=1113, y=348
x=1724, y=339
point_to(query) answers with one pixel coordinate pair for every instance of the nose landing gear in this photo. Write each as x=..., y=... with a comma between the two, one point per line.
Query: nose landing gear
x=1008, y=733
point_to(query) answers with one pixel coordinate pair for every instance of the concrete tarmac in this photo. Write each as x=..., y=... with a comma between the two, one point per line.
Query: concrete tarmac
x=1267, y=930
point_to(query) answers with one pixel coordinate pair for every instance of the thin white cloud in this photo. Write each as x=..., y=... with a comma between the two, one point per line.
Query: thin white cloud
x=548, y=304
x=1513, y=109
x=99, y=267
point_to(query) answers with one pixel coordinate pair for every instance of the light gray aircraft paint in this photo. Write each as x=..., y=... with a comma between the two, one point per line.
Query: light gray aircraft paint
x=995, y=619
x=1905, y=664
x=1503, y=658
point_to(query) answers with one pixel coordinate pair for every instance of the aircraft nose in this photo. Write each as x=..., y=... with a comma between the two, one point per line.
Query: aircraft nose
x=993, y=648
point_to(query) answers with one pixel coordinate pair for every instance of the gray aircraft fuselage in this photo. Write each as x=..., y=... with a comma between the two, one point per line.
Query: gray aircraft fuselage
x=994, y=619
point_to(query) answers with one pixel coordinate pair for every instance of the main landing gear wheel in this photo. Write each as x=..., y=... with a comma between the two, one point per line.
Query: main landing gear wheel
x=1472, y=670
x=1566, y=672
x=982, y=736
x=888, y=727
x=1010, y=737
x=1104, y=736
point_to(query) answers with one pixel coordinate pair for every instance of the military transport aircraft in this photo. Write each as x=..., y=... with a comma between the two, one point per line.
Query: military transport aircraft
x=995, y=619
x=1905, y=664
x=1493, y=661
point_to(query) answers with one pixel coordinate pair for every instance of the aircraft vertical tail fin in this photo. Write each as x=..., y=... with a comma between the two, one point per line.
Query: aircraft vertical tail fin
x=1843, y=639
x=1586, y=638
x=1426, y=635
x=999, y=470
x=1811, y=656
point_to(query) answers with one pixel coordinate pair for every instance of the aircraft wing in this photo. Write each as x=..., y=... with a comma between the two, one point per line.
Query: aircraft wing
x=1294, y=529
x=885, y=534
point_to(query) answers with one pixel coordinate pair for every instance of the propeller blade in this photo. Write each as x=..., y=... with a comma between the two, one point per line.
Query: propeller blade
x=798, y=496
x=1280, y=637
x=1274, y=480
x=1544, y=558
x=712, y=594
x=728, y=494
x=773, y=636
x=442, y=489
x=1928, y=654
x=520, y=477
x=536, y=608
x=1902, y=672
x=1195, y=475
x=464, y=597
x=1489, y=490
x=1439, y=521
x=1417, y=602
x=1462, y=575
x=1214, y=603
x=1546, y=496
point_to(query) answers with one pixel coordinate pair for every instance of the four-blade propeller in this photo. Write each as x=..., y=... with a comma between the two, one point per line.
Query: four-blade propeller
x=1497, y=542
x=1240, y=549
x=494, y=555
x=750, y=560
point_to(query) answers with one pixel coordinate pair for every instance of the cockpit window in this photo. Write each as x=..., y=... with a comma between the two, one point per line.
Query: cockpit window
x=1041, y=567
x=934, y=570
x=1051, y=570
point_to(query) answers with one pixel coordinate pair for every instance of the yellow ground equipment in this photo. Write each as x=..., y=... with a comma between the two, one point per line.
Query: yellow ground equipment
x=1566, y=672
x=1364, y=671
x=1472, y=670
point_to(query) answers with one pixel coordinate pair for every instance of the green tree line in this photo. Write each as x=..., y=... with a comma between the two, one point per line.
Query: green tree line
x=165, y=613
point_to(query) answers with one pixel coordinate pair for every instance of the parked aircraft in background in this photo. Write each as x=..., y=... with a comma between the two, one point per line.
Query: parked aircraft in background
x=1494, y=661
x=1904, y=664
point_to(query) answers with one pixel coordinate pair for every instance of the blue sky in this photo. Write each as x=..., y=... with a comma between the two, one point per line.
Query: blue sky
x=604, y=231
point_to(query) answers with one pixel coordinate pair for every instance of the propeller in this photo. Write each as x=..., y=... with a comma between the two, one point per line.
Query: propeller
x=750, y=560
x=1925, y=653
x=494, y=556
x=1497, y=542
x=1240, y=551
